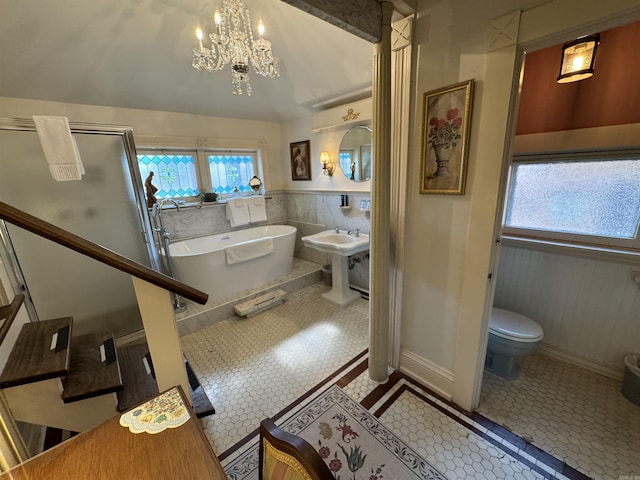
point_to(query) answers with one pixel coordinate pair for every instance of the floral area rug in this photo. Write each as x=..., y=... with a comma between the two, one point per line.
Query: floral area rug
x=353, y=443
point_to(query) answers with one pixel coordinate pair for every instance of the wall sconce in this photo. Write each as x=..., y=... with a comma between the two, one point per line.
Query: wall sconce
x=327, y=164
x=578, y=59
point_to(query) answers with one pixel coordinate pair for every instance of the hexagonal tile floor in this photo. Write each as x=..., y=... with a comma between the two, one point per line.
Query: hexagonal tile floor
x=572, y=413
x=262, y=366
x=252, y=368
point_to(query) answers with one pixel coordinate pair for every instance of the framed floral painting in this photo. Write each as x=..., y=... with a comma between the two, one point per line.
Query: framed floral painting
x=445, y=138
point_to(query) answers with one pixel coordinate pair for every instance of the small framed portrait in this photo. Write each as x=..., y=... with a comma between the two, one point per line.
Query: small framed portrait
x=445, y=138
x=300, y=161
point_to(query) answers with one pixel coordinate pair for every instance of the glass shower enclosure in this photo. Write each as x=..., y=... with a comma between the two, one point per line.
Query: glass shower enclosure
x=106, y=207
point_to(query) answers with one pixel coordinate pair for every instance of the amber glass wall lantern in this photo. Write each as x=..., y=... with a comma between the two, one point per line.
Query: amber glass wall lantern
x=578, y=59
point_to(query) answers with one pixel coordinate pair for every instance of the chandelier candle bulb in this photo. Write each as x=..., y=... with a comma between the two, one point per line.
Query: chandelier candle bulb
x=199, y=36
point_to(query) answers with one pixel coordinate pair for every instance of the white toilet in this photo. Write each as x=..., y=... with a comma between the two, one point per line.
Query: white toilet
x=511, y=335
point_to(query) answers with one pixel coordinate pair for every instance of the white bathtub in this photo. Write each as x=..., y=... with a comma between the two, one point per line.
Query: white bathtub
x=202, y=262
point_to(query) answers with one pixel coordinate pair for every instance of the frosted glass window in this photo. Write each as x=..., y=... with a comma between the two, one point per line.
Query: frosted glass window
x=174, y=174
x=595, y=198
x=231, y=172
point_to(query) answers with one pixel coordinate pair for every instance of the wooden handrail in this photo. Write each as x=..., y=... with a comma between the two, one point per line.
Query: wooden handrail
x=108, y=257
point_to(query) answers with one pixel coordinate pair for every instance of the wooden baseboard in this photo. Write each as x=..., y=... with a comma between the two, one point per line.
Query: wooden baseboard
x=428, y=373
x=606, y=370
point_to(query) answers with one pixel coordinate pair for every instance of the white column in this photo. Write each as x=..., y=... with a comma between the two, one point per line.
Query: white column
x=380, y=208
x=401, y=36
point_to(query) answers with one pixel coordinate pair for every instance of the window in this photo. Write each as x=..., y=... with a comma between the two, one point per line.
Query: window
x=174, y=173
x=583, y=200
x=184, y=174
x=231, y=171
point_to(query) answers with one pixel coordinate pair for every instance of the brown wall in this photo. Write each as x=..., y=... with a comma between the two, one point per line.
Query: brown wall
x=610, y=97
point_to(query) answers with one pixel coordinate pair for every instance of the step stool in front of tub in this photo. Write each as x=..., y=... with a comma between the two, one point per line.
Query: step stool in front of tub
x=260, y=304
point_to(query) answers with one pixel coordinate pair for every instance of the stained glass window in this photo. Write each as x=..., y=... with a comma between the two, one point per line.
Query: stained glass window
x=174, y=174
x=231, y=172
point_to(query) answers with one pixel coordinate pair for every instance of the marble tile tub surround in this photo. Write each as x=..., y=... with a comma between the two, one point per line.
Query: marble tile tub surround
x=309, y=212
x=211, y=218
x=320, y=208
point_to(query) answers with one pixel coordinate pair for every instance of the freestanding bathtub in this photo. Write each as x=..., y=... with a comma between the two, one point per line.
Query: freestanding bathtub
x=227, y=263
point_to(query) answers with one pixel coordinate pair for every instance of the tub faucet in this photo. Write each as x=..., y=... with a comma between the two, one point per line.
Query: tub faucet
x=337, y=229
x=163, y=236
x=162, y=203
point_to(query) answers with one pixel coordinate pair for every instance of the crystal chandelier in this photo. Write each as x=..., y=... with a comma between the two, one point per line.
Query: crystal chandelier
x=233, y=42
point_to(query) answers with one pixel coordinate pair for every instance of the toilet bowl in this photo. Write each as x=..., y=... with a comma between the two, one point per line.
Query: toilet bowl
x=511, y=335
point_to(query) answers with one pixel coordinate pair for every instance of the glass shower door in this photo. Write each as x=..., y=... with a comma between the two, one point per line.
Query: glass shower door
x=102, y=208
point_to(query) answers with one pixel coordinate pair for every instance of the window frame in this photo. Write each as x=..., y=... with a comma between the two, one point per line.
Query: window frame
x=554, y=238
x=201, y=148
x=172, y=151
x=221, y=152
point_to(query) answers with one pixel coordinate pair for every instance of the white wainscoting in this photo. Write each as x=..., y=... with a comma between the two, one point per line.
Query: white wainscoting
x=588, y=308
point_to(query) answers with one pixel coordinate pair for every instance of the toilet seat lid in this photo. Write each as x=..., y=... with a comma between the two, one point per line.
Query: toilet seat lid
x=508, y=324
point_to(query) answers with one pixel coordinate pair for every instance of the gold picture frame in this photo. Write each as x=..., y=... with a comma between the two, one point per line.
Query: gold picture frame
x=446, y=121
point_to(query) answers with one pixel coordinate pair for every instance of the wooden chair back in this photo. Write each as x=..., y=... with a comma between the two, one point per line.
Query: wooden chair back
x=284, y=456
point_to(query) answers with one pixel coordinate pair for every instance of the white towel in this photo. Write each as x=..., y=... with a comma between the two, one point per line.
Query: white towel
x=237, y=211
x=257, y=209
x=59, y=147
x=241, y=252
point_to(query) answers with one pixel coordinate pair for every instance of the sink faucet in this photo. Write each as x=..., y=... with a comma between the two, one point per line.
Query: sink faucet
x=337, y=229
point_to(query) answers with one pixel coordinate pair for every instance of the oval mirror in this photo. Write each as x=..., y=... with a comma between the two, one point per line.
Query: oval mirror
x=355, y=154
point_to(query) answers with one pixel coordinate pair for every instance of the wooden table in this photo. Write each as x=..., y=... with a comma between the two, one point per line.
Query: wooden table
x=111, y=451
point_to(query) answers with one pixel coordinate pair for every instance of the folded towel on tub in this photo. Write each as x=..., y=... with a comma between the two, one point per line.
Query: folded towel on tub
x=244, y=251
x=237, y=211
x=257, y=209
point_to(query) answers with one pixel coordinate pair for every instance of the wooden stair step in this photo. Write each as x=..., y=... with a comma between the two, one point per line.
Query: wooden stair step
x=140, y=384
x=32, y=359
x=89, y=374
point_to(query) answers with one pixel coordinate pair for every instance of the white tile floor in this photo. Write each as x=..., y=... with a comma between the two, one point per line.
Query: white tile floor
x=447, y=444
x=254, y=368
x=574, y=414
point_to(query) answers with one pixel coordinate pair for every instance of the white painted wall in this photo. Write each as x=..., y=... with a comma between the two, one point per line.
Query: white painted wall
x=329, y=141
x=157, y=123
x=450, y=238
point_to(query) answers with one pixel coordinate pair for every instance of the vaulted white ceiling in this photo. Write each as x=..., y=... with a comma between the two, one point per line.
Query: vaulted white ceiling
x=137, y=54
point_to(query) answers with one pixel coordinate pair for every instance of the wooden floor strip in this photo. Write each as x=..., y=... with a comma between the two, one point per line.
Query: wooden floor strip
x=380, y=391
x=353, y=373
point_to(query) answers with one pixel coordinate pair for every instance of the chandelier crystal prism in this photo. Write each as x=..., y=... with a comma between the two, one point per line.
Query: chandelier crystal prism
x=233, y=43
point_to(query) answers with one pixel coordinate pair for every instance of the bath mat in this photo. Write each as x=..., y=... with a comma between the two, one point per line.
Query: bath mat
x=354, y=444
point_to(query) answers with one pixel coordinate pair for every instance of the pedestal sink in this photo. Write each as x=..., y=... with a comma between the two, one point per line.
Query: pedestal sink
x=339, y=245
